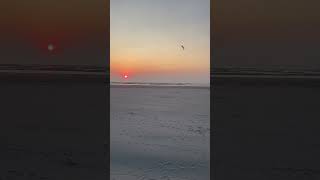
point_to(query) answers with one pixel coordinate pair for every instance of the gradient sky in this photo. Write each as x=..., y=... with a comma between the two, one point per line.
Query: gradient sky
x=78, y=29
x=146, y=36
x=266, y=33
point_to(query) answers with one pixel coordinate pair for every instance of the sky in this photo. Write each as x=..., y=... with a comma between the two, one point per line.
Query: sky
x=75, y=30
x=266, y=33
x=146, y=38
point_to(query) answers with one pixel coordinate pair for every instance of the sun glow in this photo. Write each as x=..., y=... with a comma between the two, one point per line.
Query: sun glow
x=51, y=47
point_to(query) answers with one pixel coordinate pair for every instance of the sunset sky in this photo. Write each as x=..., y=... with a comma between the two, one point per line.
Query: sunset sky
x=77, y=29
x=266, y=33
x=146, y=38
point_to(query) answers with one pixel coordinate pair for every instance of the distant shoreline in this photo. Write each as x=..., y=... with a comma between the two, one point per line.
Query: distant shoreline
x=154, y=86
x=261, y=76
x=51, y=76
x=262, y=80
x=162, y=85
x=263, y=73
x=158, y=85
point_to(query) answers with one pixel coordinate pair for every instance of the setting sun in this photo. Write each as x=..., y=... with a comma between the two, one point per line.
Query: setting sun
x=51, y=47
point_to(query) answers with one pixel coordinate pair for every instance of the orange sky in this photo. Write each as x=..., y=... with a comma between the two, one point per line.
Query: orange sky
x=79, y=28
x=146, y=40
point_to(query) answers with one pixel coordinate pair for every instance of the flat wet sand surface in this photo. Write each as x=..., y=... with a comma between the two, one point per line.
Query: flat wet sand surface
x=53, y=130
x=160, y=133
x=265, y=129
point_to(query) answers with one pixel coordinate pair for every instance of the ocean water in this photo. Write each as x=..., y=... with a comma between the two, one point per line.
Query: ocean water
x=160, y=133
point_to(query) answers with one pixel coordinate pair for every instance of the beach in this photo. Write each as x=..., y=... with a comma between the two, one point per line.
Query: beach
x=160, y=132
x=53, y=128
x=265, y=128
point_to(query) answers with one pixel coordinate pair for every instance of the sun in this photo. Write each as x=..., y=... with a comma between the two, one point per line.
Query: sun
x=51, y=47
x=126, y=76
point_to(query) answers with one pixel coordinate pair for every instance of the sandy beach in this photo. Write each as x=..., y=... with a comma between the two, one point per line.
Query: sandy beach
x=160, y=133
x=53, y=129
x=265, y=129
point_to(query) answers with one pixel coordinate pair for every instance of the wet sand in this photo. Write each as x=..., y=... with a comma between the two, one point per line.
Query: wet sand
x=265, y=128
x=53, y=128
x=160, y=133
